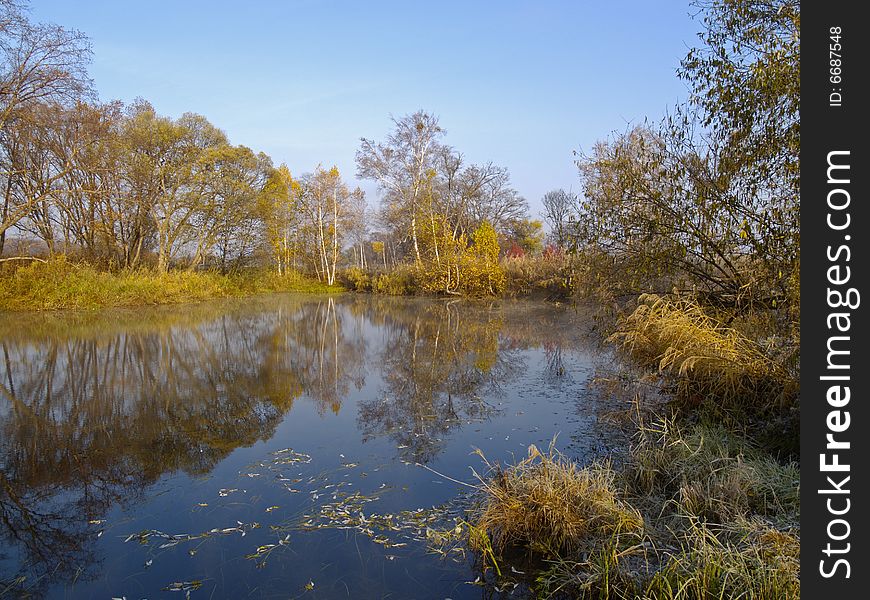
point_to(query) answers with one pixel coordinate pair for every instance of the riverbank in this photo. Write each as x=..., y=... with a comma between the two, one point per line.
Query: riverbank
x=705, y=502
x=62, y=284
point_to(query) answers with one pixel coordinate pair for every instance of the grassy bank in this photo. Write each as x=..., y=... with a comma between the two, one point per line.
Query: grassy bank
x=694, y=512
x=703, y=504
x=60, y=284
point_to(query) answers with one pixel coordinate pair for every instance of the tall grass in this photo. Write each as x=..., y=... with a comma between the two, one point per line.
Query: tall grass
x=549, y=276
x=706, y=471
x=60, y=284
x=695, y=512
x=704, y=360
x=763, y=565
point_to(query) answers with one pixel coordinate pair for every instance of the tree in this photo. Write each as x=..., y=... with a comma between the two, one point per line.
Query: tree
x=745, y=79
x=559, y=207
x=280, y=211
x=39, y=64
x=330, y=207
x=527, y=234
x=709, y=198
x=403, y=166
x=228, y=180
x=166, y=172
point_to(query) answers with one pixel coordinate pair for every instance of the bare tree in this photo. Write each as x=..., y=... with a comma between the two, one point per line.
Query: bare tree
x=559, y=207
x=38, y=64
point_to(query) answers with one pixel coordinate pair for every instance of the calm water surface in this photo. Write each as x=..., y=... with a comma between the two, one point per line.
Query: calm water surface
x=271, y=447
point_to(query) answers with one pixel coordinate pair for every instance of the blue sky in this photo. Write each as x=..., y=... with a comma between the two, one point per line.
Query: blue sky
x=520, y=83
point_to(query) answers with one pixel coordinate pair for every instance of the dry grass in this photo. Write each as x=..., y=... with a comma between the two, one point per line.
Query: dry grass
x=61, y=284
x=763, y=564
x=705, y=471
x=549, y=505
x=720, y=519
x=547, y=276
x=704, y=360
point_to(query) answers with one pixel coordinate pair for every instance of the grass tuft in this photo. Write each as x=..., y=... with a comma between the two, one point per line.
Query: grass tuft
x=549, y=505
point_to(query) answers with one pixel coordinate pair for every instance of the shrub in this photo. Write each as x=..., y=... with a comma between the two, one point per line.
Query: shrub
x=356, y=279
x=400, y=281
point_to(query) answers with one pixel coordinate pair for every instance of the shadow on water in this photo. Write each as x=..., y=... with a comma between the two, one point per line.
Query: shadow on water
x=111, y=421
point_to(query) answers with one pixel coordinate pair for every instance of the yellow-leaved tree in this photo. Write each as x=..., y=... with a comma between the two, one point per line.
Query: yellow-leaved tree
x=481, y=270
x=279, y=207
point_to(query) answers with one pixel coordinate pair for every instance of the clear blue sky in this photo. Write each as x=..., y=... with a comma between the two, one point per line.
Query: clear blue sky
x=518, y=83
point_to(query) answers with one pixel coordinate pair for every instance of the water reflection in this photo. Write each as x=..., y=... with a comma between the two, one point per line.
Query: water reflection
x=97, y=407
x=436, y=360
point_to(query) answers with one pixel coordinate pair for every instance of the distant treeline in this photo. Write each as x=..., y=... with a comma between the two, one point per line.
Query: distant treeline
x=705, y=201
x=122, y=186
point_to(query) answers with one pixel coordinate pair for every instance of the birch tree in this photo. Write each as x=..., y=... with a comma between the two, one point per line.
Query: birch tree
x=403, y=166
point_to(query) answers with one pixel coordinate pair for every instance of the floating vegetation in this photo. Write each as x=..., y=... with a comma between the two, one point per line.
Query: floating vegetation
x=184, y=586
x=262, y=553
x=288, y=456
x=337, y=505
x=145, y=537
x=438, y=528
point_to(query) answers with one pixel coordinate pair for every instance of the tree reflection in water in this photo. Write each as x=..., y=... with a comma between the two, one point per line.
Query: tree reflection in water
x=96, y=407
x=437, y=359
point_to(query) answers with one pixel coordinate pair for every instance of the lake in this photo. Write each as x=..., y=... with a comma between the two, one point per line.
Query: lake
x=288, y=446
